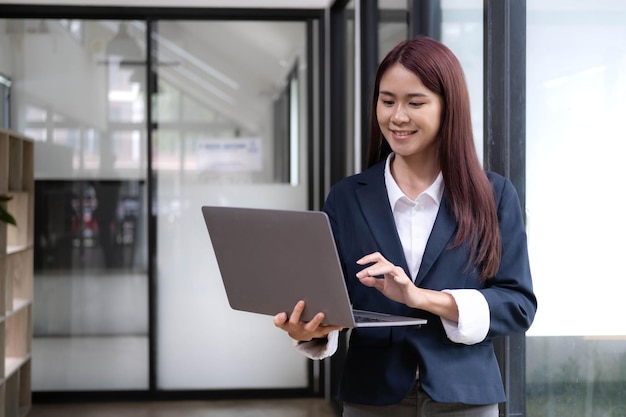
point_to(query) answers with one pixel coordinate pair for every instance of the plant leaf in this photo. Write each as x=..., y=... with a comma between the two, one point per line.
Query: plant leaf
x=6, y=217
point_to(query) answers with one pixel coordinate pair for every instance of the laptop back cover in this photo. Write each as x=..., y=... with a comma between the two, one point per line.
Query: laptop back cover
x=269, y=259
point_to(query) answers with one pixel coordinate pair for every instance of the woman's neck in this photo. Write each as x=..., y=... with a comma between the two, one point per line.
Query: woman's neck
x=414, y=176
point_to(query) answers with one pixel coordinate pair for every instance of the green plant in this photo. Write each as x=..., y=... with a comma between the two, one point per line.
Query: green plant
x=5, y=216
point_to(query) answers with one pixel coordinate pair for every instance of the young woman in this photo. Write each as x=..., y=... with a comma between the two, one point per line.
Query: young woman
x=424, y=232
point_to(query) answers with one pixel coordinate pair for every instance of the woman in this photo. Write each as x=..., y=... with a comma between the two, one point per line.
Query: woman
x=424, y=231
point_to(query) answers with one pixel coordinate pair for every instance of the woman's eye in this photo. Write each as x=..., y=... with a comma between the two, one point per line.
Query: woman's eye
x=414, y=104
x=387, y=102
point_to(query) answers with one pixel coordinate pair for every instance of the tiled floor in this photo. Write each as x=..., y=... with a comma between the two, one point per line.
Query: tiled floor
x=222, y=408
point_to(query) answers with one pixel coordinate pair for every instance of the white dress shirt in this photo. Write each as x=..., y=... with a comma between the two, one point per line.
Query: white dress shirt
x=414, y=221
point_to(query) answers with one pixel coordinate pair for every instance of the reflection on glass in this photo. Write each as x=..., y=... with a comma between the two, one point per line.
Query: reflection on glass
x=89, y=225
x=462, y=31
x=229, y=133
x=83, y=99
x=126, y=69
x=217, y=120
x=35, y=114
x=389, y=35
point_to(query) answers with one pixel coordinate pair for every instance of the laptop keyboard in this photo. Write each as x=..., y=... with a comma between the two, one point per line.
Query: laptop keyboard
x=364, y=319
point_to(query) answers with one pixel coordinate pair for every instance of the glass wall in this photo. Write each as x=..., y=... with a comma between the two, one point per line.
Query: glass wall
x=78, y=89
x=462, y=31
x=576, y=99
x=231, y=116
x=230, y=127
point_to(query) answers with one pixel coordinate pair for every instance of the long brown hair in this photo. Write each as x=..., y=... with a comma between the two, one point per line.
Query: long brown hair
x=467, y=187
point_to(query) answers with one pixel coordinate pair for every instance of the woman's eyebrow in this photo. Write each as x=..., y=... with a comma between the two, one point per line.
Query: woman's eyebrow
x=389, y=93
x=418, y=95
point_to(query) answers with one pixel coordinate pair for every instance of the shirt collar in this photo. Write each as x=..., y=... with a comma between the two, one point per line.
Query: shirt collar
x=435, y=191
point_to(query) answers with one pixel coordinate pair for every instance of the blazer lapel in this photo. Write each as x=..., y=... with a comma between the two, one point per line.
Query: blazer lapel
x=372, y=197
x=443, y=229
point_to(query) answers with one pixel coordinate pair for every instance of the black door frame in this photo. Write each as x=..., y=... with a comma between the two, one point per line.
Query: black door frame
x=505, y=151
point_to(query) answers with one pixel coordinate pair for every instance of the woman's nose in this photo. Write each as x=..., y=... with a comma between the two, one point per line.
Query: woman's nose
x=400, y=115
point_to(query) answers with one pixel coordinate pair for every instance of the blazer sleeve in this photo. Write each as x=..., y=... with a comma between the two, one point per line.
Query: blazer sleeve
x=512, y=302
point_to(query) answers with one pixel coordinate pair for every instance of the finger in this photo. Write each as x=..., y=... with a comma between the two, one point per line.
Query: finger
x=315, y=322
x=280, y=319
x=372, y=257
x=377, y=270
x=368, y=281
x=296, y=314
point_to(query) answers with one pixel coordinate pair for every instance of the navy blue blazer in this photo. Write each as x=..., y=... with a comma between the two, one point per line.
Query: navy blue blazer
x=381, y=363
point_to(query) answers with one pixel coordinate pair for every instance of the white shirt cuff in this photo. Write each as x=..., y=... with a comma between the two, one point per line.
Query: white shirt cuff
x=474, y=317
x=316, y=349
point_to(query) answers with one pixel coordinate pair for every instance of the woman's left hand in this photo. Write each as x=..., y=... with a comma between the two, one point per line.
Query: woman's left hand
x=395, y=284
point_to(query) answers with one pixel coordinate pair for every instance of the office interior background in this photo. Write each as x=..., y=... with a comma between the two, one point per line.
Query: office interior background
x=142, y=113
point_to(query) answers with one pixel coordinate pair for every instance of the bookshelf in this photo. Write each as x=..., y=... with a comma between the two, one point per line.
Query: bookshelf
x=16, y=273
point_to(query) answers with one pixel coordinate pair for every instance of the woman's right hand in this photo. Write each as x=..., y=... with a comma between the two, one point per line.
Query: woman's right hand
x=300, y=330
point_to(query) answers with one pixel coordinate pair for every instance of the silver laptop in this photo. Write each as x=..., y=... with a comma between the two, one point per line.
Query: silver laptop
x=269, y=259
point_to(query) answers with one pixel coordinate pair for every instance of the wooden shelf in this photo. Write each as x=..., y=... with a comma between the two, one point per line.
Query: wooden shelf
x=12, y=365
x=17, y=400
x=18, y=305
x=16, y=274
x=15, y=249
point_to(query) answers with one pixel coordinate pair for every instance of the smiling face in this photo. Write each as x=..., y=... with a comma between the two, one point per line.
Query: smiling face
x=409, y=114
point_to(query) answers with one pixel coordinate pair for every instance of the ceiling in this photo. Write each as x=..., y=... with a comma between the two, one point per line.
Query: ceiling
x=265, y=4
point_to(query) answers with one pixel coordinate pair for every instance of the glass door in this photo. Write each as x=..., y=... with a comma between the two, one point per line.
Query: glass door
x=231, y=130
x=79, y=90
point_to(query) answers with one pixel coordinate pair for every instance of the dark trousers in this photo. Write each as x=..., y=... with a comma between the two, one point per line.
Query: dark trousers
x=418, y=404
